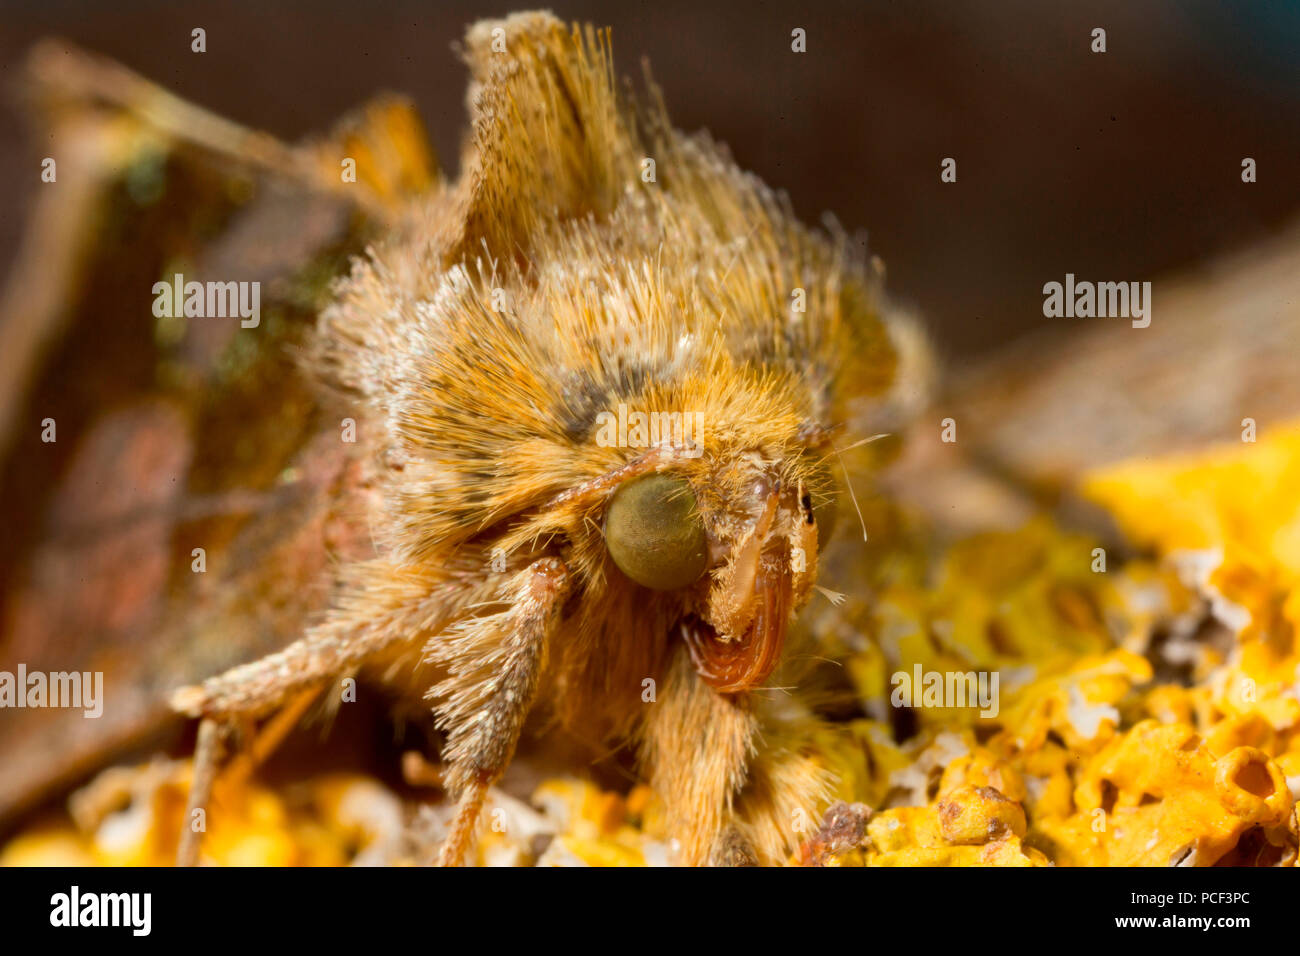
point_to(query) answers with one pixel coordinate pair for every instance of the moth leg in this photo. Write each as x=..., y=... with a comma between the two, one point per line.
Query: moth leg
x=384, y=607
x=791, y=781
x=359, y=628
x=262, y=686
x=269, y=738
x=207, y=755
x=695, y=751
x=461, y=834
x=494, y=665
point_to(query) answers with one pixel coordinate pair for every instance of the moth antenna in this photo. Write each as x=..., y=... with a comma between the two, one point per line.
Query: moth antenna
x=825, y=660
x=849, y=484
x=865, y=441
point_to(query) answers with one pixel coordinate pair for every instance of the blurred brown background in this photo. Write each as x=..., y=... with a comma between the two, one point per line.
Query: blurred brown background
x=1115, y=166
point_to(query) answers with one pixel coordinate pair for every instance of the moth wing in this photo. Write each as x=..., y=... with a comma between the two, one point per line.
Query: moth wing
x=197, y=496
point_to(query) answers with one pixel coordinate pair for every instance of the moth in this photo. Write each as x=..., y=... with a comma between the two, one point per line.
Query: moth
x=530, y=565
x=532, y=562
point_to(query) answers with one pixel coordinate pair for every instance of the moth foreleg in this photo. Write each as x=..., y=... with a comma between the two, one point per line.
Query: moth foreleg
x=399, y=606
x=695, y=751
x=384, y=607
x=494, y=665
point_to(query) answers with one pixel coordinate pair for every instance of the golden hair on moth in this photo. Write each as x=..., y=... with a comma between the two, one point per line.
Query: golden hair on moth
x=522, y=565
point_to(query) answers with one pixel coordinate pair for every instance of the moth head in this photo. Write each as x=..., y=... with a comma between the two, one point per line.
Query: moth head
x=737, y=541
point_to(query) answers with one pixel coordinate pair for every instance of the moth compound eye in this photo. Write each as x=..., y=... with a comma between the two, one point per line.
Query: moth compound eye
x=654, y=533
